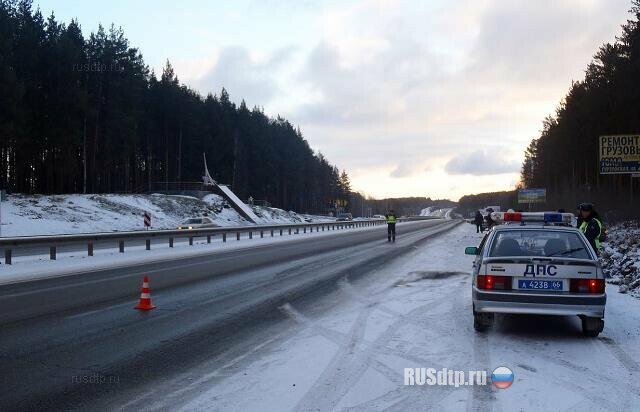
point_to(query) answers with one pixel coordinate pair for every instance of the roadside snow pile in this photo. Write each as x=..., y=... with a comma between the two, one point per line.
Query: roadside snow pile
x=24, y=215
x=437, y=212
x=621, y=257
x=269, y=215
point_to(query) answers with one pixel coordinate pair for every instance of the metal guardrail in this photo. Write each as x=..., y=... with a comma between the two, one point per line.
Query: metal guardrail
x=53, y=242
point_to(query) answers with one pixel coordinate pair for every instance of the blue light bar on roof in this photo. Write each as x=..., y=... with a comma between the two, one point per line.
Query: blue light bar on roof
x=553, y=217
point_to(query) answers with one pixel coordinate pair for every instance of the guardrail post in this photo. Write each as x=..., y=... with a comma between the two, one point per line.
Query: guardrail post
x=271, y=232
x=297, y=230
x=251, y=234
x=304, y=229
x=238, y=236
x=190, y=240
x=289, y=230
x=171, y=241
x=7, y=256
x=52, y=252
x=121, y=246
x=208, y=238
x=147, y=244
x=90, y=249
x=262, y=233
x=224, y=237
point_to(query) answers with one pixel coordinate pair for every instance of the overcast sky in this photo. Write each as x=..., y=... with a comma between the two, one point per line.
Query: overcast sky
x=434, y=97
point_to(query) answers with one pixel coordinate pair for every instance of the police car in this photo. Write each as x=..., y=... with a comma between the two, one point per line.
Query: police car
x=535, y=263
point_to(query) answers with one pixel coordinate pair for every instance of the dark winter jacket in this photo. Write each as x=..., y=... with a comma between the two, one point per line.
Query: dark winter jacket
x=592, y=229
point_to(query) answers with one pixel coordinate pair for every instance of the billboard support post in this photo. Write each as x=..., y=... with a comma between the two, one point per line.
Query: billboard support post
x=634, y=175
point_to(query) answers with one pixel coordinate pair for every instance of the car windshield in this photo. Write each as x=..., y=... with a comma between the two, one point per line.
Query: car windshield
x=545, y=243
x=193, y=221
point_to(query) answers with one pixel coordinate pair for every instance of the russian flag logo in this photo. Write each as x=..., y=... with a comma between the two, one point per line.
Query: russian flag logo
x=502, y=377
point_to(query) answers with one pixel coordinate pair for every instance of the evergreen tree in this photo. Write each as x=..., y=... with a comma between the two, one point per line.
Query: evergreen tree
x=564, y=158
x=87, y=115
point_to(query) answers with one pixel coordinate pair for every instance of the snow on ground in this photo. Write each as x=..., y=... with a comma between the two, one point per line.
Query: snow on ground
x=437, y=212
x=621, y=257
x=348, y=351
x=56, y=214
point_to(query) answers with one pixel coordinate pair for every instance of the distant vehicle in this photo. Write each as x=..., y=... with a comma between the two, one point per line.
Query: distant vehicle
x=537, y=266
x=378, y=217
x=344, y=217
x=197, y=223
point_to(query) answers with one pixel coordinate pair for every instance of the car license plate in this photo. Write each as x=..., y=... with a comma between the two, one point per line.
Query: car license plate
x=540, y=284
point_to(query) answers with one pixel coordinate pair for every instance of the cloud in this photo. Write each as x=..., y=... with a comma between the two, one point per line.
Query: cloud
x=411, y=92
x=545, y=42
x=405, y=170
x=481, y=162
x=244, y=77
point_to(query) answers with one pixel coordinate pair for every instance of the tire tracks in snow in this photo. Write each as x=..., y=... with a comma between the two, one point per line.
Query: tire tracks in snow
x=623, y=357
x=348, y=365
x=481, y=397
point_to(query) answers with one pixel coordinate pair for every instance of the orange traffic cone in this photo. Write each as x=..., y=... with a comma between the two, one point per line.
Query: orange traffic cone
x=145, y=296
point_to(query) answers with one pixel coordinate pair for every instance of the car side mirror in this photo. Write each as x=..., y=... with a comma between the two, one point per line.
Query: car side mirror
x=471, y=250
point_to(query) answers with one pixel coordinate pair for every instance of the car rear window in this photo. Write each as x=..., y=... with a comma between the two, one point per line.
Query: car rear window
x=539, y=243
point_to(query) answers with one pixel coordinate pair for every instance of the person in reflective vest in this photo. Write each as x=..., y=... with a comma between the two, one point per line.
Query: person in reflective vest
x=391, y=225
x=591, y=225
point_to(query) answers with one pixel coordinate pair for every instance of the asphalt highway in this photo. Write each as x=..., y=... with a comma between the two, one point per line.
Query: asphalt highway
x=76, y=341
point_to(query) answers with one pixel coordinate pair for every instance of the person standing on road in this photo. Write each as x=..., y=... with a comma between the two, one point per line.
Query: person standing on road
x=590, y=225
x=489, y=219
x=478, y=221
x=391, y=219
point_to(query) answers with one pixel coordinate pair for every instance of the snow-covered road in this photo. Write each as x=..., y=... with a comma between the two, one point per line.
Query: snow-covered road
x=348, y=350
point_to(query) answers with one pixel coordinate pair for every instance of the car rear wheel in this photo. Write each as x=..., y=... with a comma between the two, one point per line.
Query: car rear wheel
x=592, y=327
x=482, y=321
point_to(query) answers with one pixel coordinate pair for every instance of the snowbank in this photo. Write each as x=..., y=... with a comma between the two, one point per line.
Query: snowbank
x=621, y=257
x=437, y=212
x=24, y=215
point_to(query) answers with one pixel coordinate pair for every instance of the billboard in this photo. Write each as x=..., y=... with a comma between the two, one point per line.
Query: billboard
x=532, y=195
x=620, y=154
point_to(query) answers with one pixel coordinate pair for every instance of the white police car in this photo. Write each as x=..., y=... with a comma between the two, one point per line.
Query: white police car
x=535, y=263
